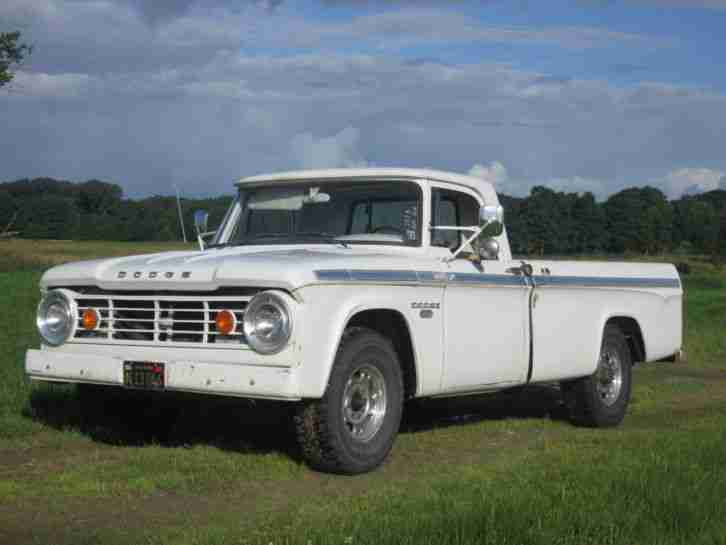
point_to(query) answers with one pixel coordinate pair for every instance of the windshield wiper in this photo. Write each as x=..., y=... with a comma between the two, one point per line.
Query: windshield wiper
x=221, y=245
x=242, y=242
x=322, y=237
x=327, y=237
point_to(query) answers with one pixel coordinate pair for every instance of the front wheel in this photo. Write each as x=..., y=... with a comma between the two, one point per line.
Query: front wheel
x=601, y=399
x=352, y=428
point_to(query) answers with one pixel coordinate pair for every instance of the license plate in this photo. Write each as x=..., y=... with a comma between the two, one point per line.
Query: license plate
x=144, y=375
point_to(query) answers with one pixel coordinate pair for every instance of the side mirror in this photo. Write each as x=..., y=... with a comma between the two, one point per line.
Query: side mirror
x=491, y=218
x=489, y=213
x=489, y=249
x=491, y=224
x=201, y=220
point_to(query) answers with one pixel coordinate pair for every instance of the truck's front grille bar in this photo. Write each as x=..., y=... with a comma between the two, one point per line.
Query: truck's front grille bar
x=159, y=318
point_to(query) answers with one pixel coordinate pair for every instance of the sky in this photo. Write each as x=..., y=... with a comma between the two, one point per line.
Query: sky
x=586, y=95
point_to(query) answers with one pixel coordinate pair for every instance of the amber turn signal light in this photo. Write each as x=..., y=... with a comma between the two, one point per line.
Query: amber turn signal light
x=226, y=322
x=90, y=319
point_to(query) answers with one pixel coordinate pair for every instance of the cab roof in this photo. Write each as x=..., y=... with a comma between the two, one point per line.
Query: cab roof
x=484, y=188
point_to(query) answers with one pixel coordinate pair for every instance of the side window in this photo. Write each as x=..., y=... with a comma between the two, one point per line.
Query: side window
x=454, y=209
x=361, y=215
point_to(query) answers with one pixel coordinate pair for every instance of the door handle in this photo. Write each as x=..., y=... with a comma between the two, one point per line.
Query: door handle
x=525, y=269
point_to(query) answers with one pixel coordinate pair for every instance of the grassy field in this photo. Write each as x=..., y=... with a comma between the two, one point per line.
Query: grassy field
x=30, y=255
x=497, y=469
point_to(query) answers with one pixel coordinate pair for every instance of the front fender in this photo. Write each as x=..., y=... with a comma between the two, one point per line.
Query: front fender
x=329, y=308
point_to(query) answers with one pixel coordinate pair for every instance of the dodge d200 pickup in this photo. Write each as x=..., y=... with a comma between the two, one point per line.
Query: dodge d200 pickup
x=347, y=292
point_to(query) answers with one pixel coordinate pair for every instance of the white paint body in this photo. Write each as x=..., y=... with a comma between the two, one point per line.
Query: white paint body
x=478, y=337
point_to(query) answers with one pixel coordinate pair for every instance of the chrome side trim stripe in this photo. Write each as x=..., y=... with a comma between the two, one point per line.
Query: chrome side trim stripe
x=474, y=278
x=416, y=277
x=606, y=281
x=430, y=277
x=360, y=275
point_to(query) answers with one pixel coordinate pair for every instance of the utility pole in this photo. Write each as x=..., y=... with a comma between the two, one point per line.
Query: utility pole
x=181, y=217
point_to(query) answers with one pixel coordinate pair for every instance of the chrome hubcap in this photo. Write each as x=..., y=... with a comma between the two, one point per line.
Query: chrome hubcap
x=609, y=377
x=364, y=402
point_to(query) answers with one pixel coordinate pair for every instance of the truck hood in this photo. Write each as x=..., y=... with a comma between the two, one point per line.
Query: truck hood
x=271, y=267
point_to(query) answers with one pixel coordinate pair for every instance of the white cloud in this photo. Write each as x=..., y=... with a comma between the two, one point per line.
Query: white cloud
x=338, y=150
x=494, y=173
x=411, y=25
x=691, y=180
x=40, y=84
x=578, y=184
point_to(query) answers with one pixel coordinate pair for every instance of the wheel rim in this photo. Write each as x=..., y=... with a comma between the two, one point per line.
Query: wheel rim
x=364, y=402
x=609, y=376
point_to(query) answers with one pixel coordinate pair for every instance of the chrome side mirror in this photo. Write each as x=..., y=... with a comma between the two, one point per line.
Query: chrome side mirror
x=491, y=224
x=489, y=248
x=201, y=220
x=491, y=219
x=490, y=213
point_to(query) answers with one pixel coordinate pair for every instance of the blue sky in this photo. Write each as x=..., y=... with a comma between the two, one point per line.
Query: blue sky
x=589, y=95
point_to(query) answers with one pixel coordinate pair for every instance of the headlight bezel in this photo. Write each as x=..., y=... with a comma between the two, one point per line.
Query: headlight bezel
x=277, y=301
x=70, y=314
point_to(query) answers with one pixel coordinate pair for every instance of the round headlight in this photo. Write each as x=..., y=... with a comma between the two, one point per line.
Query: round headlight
x=56, y=318
x=267, y=323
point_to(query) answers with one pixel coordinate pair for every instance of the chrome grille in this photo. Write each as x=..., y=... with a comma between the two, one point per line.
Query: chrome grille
x=156, y=318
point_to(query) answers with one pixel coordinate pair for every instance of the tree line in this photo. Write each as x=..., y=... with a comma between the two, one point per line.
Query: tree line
x=636, y=220
x=96, y=210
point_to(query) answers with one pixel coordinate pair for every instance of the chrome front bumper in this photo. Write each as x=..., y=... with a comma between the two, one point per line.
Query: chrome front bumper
x=214, y=378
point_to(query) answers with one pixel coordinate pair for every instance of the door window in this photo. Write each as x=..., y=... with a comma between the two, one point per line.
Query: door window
x=455, y=209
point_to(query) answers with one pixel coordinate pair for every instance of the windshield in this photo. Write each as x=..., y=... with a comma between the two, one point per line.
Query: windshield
x=378, y=212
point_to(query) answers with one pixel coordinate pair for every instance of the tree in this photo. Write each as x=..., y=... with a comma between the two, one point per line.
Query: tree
x=625, y=211
x=49, y=216
x=700, y=224
x=96, y=197
x=514, y=221
x=8, y=207
x=543, y=222
x=11, y=53
x=656, y=226
x=589, y=233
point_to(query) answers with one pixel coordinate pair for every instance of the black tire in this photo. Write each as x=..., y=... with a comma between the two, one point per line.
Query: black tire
x=590, y=400
x=326, y=438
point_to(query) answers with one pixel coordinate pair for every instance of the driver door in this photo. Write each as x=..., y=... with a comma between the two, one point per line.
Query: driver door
x=485, y=307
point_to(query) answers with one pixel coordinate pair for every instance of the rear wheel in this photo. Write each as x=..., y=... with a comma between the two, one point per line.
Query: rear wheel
x=601, y=399
x=352, y=428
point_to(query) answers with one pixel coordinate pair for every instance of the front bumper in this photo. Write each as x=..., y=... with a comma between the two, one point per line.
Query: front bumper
x=186, y=375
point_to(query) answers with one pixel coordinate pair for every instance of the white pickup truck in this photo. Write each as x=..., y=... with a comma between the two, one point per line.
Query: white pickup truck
x=349, y=291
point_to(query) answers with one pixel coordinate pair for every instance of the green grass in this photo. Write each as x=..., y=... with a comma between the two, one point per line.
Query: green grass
x=597, y=491
x=18, y=299
x=216, y=473
x=21, y=254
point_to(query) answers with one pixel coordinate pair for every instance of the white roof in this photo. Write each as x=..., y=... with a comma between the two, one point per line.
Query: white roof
x=484, y=188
